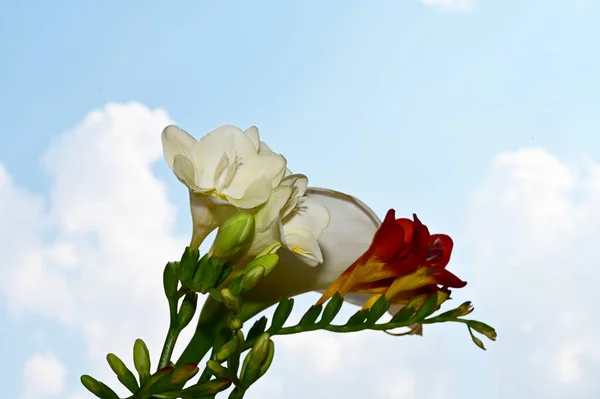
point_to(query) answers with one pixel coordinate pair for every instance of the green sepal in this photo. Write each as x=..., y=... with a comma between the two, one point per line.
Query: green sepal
x=281, y=314
x=124, y=375
x=257, y=328
x=332, y=309
x=311, y=315
x=358, y=317
x=188, y=264
x=377, y=310
x=427, y=308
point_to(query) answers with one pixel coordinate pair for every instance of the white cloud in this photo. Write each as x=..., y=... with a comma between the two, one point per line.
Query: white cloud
x=535, y=223
x=93, y=254
x=43, y=376
x=450, y=5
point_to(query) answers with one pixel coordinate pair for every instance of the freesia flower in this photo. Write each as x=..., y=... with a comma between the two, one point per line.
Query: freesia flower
x=403, y=260
x=349, y=233
x=223, y=171
x=229, y=170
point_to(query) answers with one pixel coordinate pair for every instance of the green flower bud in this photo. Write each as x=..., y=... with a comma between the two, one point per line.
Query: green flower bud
x=233, y=234
x=234, y=323
x=141, y=360
x=251, y=278
x=187, y=310
x=184, y=373
x=123, y=373
x=98, y=388
x=170, y=280
x=484, y=329
x=230, y=300
x=217, y=369
x=209, y=388
x=268, y=261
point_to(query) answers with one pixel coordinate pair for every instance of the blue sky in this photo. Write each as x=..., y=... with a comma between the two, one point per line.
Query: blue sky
x=401, y=103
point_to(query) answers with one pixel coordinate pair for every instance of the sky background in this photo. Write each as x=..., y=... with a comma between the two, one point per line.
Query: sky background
x=480, y=116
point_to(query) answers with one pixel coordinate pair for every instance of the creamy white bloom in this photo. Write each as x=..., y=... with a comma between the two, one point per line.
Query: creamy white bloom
x=349, y=233
x=224, y=171
x=303, y=220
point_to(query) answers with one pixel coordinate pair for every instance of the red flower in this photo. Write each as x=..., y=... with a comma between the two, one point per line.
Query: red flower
x=403, y=260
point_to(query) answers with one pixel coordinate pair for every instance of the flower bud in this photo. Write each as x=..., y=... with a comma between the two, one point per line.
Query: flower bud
x=251, y=278
x=98, y=388
x=170, y=280
x=234, y=323
x=483, y=328
x=217, y=369
x=209, y=388
x=124, y=375
x=187, y=310
x=233, y=234
x=141, y=360
x=230, y=300
x=188, y=264
x=268, y=261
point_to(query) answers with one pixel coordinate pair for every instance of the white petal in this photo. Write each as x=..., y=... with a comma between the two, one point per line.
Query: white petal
x=298, y=181
x=252, y=133
x=176, y=141
x=207, y=214
x=305, y=246
x=256, y=194
x=309, y=215
x=183, y=168
x=227, y=141
x=349, y=234
x=266, y=215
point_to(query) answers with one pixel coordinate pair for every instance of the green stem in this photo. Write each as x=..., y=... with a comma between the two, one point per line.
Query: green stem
x=172, y=335
x=212, y=318
x=167, y=352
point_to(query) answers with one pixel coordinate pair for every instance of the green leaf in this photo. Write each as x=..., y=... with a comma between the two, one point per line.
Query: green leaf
x=141, y=360
x=427, y=308
x=257, y=329
x=332, y=309
x=377, y=310
x=124, y=375
x=281, y=314
x=98, y=388
x=311, y=315
x=358, y=317
x=170, y=280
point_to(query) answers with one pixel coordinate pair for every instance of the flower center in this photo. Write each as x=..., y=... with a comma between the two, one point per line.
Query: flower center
x=225, y=172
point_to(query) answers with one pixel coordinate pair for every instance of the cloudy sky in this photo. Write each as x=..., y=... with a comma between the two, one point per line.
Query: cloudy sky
x=480, y=116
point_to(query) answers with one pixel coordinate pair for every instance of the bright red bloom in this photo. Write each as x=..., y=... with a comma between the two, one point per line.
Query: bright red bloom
x=403, y=260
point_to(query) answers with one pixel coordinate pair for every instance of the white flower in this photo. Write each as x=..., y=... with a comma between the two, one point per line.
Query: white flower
x=301, y=220
x=224, y=171
x=348, y=235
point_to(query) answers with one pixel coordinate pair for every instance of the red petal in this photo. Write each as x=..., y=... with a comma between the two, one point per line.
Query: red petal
x=447, y=279
x=388, y=240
